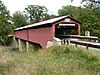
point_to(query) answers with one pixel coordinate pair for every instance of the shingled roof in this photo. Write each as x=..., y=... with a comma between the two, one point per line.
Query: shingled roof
x=43, y=22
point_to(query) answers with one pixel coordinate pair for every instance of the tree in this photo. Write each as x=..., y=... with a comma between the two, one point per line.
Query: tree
x=5, y=24
x=19, y=19
x=94, y=6
x=92, y=3
x=67, y=10
x=90, y=18
x=36, y=13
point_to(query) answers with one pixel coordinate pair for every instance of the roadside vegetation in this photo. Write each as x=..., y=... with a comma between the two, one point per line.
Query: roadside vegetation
x=60, y=60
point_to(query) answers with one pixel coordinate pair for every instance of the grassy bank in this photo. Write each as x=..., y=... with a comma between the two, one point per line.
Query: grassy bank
x=61, y=60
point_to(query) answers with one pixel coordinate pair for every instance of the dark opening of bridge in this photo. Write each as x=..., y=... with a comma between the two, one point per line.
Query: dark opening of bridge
x=66, y=29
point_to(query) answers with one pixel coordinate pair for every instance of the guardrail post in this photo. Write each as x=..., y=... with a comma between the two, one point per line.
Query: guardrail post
x=86, y=46
x=64, y=41
x=76, y=44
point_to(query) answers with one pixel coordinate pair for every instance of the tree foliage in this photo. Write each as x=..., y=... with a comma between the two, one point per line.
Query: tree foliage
x=92, y=3
x=19, y=19
x=36, y=13
x=67, y=10
x=5, y=24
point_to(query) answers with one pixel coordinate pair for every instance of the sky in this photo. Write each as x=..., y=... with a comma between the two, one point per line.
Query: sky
x=52, y=5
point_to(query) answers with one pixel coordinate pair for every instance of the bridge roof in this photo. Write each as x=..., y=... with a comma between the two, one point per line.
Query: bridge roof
x=45, y=22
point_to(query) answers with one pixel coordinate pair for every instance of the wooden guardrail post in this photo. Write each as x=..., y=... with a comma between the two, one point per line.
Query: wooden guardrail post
x=64, y=41
x=76, y=44
x=86, y=46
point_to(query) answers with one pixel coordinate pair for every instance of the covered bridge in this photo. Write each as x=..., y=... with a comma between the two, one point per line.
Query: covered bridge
x=42, y=32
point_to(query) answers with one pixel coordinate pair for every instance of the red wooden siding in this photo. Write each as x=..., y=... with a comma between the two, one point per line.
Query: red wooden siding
x=22, y=34
x=40, y=35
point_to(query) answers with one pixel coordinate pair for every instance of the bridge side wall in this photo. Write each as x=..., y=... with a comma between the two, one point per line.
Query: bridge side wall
x=40, y=35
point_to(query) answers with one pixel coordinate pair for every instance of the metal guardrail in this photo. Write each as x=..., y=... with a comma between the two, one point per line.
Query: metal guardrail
x=87, y=44
x=77, y=37
x=67, y=38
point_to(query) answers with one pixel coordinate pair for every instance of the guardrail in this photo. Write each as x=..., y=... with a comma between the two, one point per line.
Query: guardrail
x=87, y=44
x=67, y=38
x=78, y=37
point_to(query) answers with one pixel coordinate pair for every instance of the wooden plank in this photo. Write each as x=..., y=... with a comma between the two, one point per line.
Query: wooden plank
x=87, y=44
x=77, y=36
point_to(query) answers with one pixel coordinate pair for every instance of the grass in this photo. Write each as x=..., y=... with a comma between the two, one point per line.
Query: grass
x=60, y=60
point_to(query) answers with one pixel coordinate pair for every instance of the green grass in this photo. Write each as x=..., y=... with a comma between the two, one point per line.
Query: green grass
x=60, y=60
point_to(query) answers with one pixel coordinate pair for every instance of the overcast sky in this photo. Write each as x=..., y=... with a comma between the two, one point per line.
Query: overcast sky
x=52, y=5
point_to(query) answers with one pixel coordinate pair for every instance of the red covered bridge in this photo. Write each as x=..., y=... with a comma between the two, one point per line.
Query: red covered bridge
x=42, y=32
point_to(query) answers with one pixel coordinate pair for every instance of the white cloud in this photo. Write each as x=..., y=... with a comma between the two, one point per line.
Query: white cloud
x=52, y=5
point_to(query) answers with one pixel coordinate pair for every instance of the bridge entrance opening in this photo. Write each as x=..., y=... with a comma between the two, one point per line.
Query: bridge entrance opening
x=66, y=29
